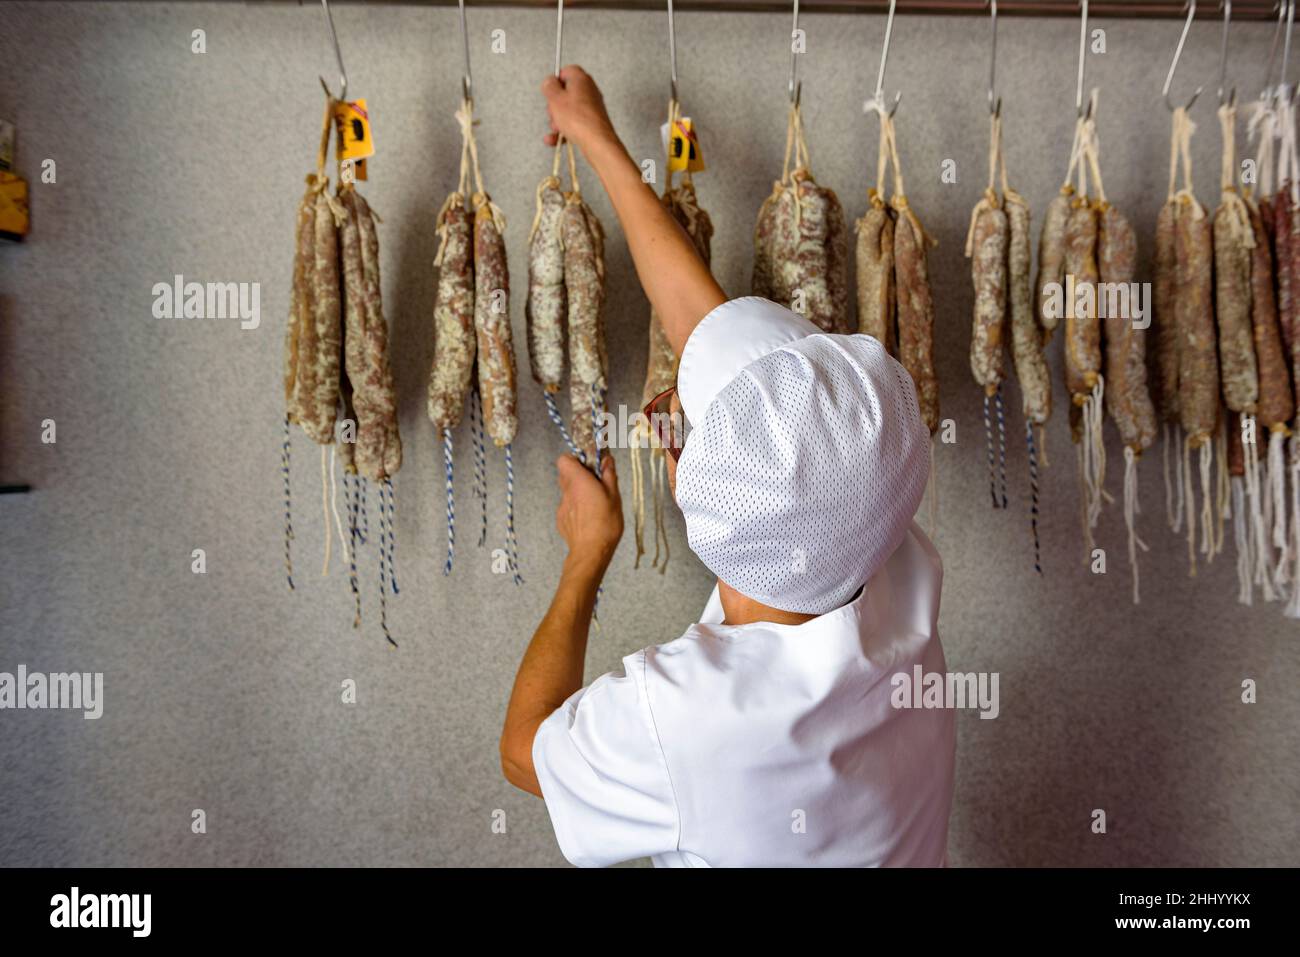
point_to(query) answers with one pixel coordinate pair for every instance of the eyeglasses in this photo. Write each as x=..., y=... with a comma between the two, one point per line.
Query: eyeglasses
x=669, y=428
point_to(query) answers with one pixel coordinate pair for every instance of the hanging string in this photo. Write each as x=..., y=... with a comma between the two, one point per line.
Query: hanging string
x=1180, y=501
x=1292, y=609
x=597, y=406
x=288, y=519
x=1131, y=510
x=1166, y=437
x=451, y=501
x=659, y=475
x=1258, y=498
x=1033, y=493
x=1286, y=552
x=334, y=507
x=1222, y=500
x=1277, y=501
x=480, y=463
x=350, y=507
x=1241, y=540
x=988, y=450
x=363, y=535
x=638, y=491
x=512, y=542
x=325, y=511
x=387, y=489
x=383, y=572
x=1081, y=467
x=553, y=411
x=1002, y=447
x=1094, y=454
x=1207, y=501
x=1189, y=496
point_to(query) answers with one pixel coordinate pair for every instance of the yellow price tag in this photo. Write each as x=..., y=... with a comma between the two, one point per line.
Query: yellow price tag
x=683, y=147
x=353, y=123
x=14, y=221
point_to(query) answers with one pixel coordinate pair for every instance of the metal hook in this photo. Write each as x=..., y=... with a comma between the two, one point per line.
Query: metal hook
x=1178, y=52
x=1266, y=92
x=1286, y=46
x=559, y=35
x=1083, y=58
x=338, y=54
x=672, y=48
x=1223, y=57
x=878, y=100
x=995, y=102
x=795, y=89
x=467, y=81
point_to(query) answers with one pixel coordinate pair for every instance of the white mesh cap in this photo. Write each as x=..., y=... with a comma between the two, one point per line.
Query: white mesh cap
x=804, y=472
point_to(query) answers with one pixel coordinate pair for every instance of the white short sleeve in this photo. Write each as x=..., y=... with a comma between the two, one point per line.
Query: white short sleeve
x=603, y=775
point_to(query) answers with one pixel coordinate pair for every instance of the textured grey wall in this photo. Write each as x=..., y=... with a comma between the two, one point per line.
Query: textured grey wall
x=222, y=690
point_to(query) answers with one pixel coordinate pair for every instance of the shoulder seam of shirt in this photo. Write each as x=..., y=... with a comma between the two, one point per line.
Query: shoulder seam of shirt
x=659, y=744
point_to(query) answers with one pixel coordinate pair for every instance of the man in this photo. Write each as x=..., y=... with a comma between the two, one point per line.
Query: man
x=765, y=735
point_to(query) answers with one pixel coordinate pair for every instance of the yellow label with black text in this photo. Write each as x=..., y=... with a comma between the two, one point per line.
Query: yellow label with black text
x=683, y=146
x=13, y=205
x=353, y=121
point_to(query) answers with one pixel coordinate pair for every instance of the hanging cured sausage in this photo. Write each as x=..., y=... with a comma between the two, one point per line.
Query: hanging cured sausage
x=337, y=381
x=473, y=334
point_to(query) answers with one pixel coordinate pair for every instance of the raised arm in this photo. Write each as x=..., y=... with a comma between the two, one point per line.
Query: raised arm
x=678, y=283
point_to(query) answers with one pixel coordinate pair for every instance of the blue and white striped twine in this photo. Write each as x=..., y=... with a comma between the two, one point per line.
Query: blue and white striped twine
x=1002, y=448
x=383, y=576
x=480, y=463
x=597, y=406
x=392, y=534
x=553, y=411
x=350, y=508
x=363, y=533
x=1033, y=492
x=451, y=502
x=288, y=520
x=988, y=445
x=512, y=542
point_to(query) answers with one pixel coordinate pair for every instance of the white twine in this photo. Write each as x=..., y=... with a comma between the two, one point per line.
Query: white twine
x=1241, y=540
x=334, y=506
x=1131, y=510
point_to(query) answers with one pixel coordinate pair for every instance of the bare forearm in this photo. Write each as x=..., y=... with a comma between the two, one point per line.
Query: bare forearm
x=551, y=670
x=678, y=283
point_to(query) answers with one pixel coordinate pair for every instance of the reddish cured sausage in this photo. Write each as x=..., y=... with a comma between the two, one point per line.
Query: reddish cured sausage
x=1082, y=326
x=916, y=312
x=990, y=241
x=1166, y=314
x=1198, y=365
x=496, y=354
x=453, y=316
x=1127, y=398
x=1051, y=255
x=1276, y=404
x=875, y=256
x=1026, y=337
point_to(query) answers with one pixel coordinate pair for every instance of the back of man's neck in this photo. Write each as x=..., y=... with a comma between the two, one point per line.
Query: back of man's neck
x=737, y=609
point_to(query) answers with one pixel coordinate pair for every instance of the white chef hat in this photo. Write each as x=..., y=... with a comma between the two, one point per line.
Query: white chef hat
x=807, y=457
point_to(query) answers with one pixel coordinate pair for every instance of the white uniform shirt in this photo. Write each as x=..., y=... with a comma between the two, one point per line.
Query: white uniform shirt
x=764, y=744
